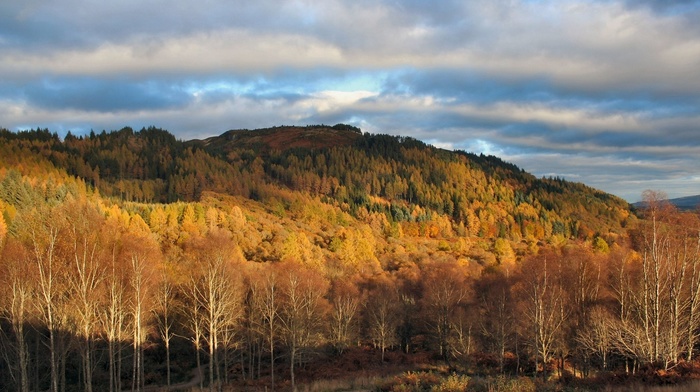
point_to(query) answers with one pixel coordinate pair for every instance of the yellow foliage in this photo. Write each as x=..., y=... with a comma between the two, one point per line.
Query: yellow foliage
x=526, y=210
x=237, y=218
x=357, y=251
x=158, y=220
x=138, y=227
x=212, y=218
x=3, y=228
x=504, y=252
x=117, y=217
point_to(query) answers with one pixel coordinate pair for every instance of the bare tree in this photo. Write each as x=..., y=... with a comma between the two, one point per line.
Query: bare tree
x=219, y=293
x=301, y=316
x=267, y=302
x=16, y=293
x=445, y=290
x=143, y=262
x=597, y=338
x=345, y=301
x=165, y=304
x=42, y=228
x=496, y=303
x=666, y=297
x=543, y=306
x=195, y=321
x=85, y=278
x=382, y=313
x=113, y=315
x=691, y=247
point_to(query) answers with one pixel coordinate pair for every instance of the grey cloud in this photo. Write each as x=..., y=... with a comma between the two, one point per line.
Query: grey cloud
x=481, y=88
x=51, y=25
x=467, y=85
x=104, y=95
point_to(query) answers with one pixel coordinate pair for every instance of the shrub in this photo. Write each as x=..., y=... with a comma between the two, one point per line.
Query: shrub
x=413, y=382
x=502, y=384
x=453, y=383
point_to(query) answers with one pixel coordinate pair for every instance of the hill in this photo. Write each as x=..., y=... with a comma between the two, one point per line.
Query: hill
x=403, y=180
x=682, y=203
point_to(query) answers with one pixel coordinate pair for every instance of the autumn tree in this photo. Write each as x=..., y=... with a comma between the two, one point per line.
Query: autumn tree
x=445, y=290
x=267, y=303
x=16, y=307
x=624, y=277
x=543, y=309
x=495, y=300
x=382, y=313
x=84, y=223
x=41, y=229
x=218, y=291
x=345, y=301
x=302, y=315
x=581, y=271
x=598, y=336
x=165, y=316
x=144, y=261
x=114, y=311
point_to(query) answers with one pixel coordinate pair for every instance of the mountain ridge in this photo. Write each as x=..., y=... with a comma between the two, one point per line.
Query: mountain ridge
x=685, y=203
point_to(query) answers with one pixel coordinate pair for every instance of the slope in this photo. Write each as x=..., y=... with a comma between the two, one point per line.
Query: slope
x=414, y=188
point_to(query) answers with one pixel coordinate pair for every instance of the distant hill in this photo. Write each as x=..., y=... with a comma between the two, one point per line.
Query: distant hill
x=283, y=138
x=682, y=203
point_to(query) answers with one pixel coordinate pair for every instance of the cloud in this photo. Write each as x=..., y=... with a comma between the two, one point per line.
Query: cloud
x=605, y=91
x=91, y=94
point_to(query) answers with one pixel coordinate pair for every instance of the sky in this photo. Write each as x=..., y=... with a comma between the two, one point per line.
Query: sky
x=604, y=92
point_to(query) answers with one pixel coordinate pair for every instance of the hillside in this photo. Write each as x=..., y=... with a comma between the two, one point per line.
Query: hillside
x=292, y=254
x=401, y=179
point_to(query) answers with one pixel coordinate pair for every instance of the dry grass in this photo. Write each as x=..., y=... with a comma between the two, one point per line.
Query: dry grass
x=689, y=387
x=360, y=383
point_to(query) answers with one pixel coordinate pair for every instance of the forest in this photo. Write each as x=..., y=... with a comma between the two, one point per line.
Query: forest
x=257, y=260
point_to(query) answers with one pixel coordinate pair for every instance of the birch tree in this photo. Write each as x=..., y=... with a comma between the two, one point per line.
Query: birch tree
x=16, y=294
x=495, y=301
x=543, y=304
x=42, y=229
x=382, y=313
x=345, y=301
x=267, y=303
x=144, y=262
x=445, y=290
x=164, y=314
x=114, y=311
x=219, y=294
x=302, y=315
x=84, y=224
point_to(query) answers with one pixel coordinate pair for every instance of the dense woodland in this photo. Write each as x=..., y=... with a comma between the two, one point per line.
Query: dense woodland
x=130, y=259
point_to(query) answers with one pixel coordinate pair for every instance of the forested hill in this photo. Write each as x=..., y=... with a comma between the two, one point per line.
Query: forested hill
x=120, y=250
x=402, y=181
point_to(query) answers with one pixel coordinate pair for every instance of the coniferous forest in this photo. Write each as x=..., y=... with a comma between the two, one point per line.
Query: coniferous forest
x=273, y=259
